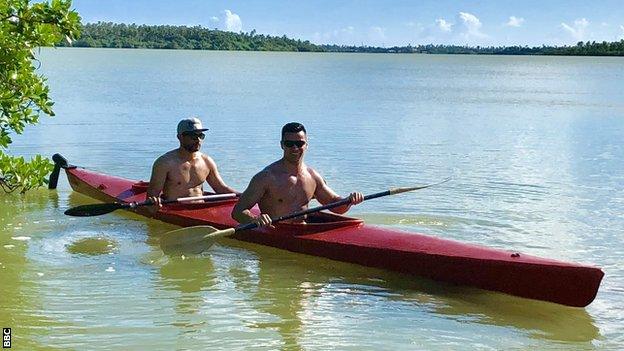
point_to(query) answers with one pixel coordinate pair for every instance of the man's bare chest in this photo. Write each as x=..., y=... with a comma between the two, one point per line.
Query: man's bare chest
x=188, y=172
x=293, y=188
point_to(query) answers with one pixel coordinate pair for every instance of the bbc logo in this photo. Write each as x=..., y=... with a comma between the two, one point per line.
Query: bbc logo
x=6, y=338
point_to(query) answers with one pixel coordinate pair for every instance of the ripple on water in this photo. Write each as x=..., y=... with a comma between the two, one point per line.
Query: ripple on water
x=20, y=238
x=405, y=219
x=92, y=246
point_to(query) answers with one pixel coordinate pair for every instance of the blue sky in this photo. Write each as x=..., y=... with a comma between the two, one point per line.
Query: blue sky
x=383, y=22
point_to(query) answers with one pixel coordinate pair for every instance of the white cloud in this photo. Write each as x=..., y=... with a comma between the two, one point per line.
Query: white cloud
x=229, y=22
x=233, y=22
x=472, y=26
x=622, y=32
x=578, y=30
x=443, y=25
x=515, y=21
x=465, y=31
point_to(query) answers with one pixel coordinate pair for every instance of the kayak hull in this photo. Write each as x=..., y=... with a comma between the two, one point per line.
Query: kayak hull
x=351, y=240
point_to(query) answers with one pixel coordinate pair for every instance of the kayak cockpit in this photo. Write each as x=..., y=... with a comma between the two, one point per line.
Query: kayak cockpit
x=319, y=222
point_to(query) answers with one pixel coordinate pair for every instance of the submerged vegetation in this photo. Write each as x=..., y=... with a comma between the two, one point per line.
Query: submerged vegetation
x=119, y=35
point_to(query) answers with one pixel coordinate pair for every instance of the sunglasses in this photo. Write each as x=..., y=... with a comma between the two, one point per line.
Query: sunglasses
x=194, y=135
x=291, y=143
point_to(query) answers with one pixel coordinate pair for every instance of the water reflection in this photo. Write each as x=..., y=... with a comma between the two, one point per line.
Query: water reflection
x=540, y=320
x=53, y=199
x=281, y=293
x=287, y=284
x=190, y=277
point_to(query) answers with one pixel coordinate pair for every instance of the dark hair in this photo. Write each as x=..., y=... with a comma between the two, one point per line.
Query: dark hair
x=293, y=127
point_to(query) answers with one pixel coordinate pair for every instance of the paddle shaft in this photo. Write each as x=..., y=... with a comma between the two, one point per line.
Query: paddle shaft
x=182, y=200
x=342, y=202
x=100, y=209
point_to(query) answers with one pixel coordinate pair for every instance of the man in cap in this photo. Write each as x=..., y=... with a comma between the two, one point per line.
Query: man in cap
x=181, y=172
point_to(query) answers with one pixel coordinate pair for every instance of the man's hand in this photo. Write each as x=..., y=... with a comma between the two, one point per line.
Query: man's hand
x=263, y=220
x=156, y=205
x=356, y=198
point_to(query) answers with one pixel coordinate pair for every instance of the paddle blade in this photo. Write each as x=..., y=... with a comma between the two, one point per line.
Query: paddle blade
x=93, y=209
x=191, y=240
x=394, y=191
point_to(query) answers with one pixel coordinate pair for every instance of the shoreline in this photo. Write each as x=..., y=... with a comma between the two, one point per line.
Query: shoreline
x=332, y=52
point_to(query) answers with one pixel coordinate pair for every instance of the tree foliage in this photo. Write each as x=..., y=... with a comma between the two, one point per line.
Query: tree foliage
x=24, y=27
x=120, y=35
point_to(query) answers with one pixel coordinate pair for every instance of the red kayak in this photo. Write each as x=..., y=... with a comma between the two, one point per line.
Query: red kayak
x=351, y=240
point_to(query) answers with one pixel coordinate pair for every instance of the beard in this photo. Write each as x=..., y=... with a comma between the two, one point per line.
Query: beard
x=293, y=157
x=191, y=147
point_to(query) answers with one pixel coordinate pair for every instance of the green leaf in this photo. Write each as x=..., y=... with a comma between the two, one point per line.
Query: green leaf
x=24, y=95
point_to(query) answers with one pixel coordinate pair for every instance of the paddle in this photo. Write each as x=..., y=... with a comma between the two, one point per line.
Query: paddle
x=100, y=209
x=197, y=239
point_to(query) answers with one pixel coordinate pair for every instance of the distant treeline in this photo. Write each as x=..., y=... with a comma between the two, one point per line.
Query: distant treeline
x=580, y=49
x=119, y=35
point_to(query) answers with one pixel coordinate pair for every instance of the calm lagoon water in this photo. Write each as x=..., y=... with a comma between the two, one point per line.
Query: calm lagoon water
x=534, y=145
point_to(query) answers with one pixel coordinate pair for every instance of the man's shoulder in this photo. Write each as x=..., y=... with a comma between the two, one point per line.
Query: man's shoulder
x=264, y=173
x=313, y=172
x=167, y=157
x=208, y=161
x=205, y=157
x=272, y=167
x=267, y=174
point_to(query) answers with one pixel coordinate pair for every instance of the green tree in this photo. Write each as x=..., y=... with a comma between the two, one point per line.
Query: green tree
x=24, y=27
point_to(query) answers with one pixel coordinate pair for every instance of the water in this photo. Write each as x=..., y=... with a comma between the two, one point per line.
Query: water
x=534, y=145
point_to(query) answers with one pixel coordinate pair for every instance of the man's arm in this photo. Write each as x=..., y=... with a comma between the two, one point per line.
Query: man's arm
x=251, y=196
x=325, y=195
x=214, y=178
x=156, y=184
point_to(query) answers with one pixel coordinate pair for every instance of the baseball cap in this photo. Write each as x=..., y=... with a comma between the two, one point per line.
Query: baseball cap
x=190, y=125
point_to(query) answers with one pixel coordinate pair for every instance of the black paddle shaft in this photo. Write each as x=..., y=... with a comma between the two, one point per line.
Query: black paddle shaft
x=149, y=202
x=313, y=210
x=100, y=209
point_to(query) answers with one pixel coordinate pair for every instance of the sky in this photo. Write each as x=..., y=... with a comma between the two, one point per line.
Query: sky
x=382, y=22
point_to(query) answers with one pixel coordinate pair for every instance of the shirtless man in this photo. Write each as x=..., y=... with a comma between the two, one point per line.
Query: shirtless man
x=287, y=185
x=181, y=172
